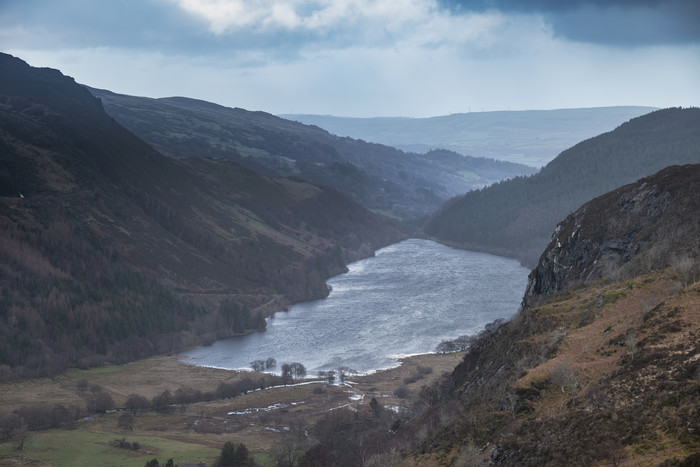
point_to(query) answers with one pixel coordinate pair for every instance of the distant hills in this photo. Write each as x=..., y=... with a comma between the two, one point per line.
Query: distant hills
x=532, y=137
x=101, y=236
x=381, y=178
x=517, y=217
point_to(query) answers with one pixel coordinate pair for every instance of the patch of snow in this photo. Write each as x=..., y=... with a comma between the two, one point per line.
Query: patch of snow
x=279, y=405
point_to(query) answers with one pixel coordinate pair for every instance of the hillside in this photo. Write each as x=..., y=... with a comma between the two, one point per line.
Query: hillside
x=532, y=137
x=380, y=178
x=601, y=366
x=101, y=236
x=516, y=217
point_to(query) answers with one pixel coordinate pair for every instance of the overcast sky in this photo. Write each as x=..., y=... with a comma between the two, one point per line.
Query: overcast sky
x=365, y=58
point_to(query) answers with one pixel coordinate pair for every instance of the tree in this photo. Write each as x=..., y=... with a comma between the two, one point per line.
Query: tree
x=327, y=375
x=258, y=365
x=511, y=403
x=298, y=370
x=343, y=371
x=136, y=402
x=375, y=407
x=292, y=371
x=100, y=401
x=565, y=376
x=235, y=455
x=126, y=421
x=631, y=343
x=287, y=376
x=446, y=347
x=8, y=425
x=163, y=401
x=20, y=435
x=290, y=451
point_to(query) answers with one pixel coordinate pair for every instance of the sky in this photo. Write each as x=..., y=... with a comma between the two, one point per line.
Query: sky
x=369, y=58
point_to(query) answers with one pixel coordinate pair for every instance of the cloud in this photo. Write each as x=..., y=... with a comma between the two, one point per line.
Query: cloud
x=150, y=24
x=623, y=23
x=269, y=30
x=366, y=57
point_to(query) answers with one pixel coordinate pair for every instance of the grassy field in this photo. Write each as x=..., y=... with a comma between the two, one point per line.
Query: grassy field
x=195, y=432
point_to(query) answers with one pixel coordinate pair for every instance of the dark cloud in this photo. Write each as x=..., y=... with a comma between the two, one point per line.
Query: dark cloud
x=625, y=23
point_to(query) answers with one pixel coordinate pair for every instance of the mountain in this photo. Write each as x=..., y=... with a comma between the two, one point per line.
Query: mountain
x=380, y=178
x=516, y=217
x=532, y=137
x=601, y=364
x=102, y=238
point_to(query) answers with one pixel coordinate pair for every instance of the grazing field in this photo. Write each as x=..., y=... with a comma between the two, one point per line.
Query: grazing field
x=193, y=432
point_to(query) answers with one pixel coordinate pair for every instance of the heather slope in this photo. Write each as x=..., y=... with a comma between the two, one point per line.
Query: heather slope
x=601, y=364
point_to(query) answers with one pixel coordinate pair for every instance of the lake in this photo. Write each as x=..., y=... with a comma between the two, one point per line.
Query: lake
x=403, y=301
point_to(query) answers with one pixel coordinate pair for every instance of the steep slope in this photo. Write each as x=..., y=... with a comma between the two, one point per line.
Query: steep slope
x=532, y=137
x=101, y=235
x=516, y=217
x=601, y=366
x=379, y=177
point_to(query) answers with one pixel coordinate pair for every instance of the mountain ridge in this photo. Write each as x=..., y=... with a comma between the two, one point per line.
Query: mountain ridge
x=516, y=217
x=102, y=236
x=379, y=177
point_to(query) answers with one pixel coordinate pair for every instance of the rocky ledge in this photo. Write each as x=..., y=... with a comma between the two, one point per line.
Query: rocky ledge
x=626, y=231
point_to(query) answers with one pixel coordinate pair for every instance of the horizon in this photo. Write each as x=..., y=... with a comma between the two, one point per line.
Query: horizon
x=370, y=58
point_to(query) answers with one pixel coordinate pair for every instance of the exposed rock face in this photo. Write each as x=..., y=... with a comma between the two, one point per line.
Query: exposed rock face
x=622, y=232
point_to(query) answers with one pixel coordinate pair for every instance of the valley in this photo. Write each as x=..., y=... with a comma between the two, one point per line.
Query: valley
x=121, y=246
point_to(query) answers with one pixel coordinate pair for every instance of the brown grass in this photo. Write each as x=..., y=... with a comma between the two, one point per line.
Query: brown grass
x=259, y=419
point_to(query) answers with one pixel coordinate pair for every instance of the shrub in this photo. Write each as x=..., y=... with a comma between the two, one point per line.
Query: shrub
x=402, y=392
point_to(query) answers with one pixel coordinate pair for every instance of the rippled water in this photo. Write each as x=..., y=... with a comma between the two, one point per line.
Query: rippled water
x=403, y=301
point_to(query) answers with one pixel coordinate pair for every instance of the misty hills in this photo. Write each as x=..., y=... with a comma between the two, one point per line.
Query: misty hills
x=516, y=217
x=532, y=137
x=379, y=177
x=600, y=366
x=101, y=235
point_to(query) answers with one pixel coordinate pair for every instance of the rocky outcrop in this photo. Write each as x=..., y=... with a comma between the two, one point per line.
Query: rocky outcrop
x=622, y=232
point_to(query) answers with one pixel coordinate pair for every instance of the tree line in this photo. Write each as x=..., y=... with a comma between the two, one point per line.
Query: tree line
x=516, y=217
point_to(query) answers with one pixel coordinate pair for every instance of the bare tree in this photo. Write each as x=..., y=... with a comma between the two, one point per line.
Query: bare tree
x=565, y=376
x=631, y=343
x=511, y=403
x=136, y=402
x=298, y=370
x=20, y=435
x=126, y=421
x=258, y=365
x=327, y=375
x=291, y=449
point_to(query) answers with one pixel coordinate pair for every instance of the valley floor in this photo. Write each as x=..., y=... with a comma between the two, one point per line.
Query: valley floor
x=195, y=432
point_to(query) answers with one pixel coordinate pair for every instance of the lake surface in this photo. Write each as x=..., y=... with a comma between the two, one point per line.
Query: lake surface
x=403, y=301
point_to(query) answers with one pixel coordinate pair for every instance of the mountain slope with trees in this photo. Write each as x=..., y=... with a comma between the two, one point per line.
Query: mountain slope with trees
x=379, y=177
x=516, y=217
x=101, y=236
